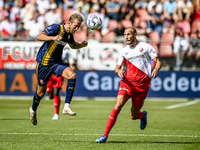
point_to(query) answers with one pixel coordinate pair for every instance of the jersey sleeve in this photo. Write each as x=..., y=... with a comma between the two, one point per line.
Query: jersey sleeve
x=52, y=29
x=120, y=58
x=152, y=52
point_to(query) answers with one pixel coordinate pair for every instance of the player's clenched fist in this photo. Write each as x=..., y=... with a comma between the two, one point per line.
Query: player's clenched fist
x=84, y=43
x=57, y=38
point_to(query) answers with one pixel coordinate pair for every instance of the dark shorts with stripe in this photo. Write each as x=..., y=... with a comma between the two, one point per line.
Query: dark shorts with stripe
x=44, y=72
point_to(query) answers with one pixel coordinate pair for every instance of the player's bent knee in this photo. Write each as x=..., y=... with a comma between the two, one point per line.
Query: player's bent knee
x=41, y=93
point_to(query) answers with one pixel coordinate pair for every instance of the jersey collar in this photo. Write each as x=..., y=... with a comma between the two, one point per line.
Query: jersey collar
x=134, y=46
x=64, y=27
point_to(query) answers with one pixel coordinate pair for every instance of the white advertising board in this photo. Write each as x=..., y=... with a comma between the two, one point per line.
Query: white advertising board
x=96, y=56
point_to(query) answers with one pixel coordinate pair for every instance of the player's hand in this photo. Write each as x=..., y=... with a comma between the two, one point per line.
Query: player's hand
x=121, y=73
x=154, y=74
x=84, y=43
x=57, y=38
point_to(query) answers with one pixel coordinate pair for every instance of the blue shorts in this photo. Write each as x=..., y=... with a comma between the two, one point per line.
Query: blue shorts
x=43, y=73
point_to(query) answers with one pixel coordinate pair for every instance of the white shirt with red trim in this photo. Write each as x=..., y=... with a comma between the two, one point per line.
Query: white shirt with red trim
x=138, y=61
x=7, y=27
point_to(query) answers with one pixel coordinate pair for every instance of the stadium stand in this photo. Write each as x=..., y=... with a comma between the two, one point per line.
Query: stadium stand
x=112, y=25
x=108, y=37
x=67, y=13
x=162, y=44
x=154, y=40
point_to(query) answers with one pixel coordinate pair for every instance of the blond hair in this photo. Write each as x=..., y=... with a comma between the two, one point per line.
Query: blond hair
x=75, y=16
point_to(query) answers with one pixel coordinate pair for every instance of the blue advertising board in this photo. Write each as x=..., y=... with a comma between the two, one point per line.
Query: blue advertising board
x=104, y=84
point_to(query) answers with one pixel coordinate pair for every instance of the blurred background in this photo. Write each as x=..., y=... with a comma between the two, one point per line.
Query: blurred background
x=172, y=27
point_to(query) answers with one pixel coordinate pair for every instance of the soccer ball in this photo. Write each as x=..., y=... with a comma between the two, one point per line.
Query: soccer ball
x=94, y=22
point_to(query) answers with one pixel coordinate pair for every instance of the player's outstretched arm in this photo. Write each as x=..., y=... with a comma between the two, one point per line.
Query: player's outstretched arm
x=158, y=66
x=77, y=45
x=44, y=37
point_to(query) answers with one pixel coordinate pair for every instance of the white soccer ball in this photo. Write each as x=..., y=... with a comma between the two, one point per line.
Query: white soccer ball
x=94, y=22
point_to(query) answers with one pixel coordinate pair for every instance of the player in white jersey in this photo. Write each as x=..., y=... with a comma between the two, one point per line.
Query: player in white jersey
x=135, y=81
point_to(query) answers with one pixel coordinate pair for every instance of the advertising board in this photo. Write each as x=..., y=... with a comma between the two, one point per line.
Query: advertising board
x=103, y=84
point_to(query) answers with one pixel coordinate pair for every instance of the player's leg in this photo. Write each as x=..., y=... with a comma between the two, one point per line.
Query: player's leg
x=56, y=98
x=64, y=70
x=50, y=94
x=137, y=114
x=41, y=90
x=56, y=84
x=124, y=93
x=137, y=103
x=50, y=89
x=43, y=74
x=121, y=100
x=69, y=74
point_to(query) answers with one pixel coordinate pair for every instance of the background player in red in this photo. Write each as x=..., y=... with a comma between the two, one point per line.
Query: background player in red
x=53, y=89
x=136, y=81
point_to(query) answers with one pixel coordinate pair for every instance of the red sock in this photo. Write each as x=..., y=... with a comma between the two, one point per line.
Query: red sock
x=111, y=121
x=56, y=104
x=140, y=115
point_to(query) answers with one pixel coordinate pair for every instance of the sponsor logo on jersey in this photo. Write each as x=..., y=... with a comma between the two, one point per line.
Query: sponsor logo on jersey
x=141, y=49
x=135, y=57
x=61, y=42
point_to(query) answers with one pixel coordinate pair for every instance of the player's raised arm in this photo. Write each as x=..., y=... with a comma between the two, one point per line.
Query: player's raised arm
x=158, y=66
x=44, y=37
x=77, y=45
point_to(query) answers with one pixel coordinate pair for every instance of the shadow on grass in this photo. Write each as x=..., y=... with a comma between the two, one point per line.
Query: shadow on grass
x=153, y=142
x=125, y=142
x=84, y=119
x=14, y=119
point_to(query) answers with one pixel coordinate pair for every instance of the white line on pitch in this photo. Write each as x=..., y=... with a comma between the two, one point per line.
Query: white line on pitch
x=142, y=135
x=182, y=104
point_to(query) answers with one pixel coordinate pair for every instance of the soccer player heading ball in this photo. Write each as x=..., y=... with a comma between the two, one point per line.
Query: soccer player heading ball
x=49, y=61
x=136, y=81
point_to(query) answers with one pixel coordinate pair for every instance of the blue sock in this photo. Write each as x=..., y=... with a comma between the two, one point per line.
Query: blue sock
x=70, y=90
x=36, y=101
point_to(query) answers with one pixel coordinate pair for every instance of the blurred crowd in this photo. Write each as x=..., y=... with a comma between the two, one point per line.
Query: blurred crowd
x=170, y=26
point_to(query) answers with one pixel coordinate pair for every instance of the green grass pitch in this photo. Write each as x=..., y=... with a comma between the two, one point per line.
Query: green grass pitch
x=167, y=129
